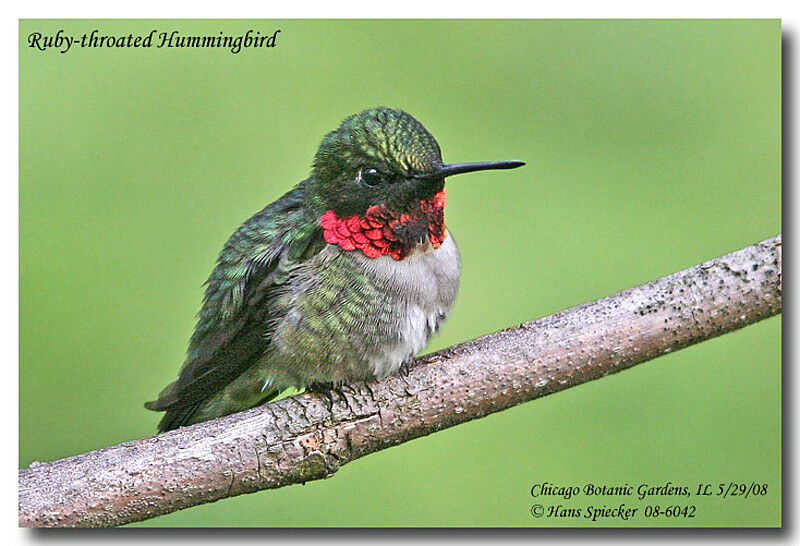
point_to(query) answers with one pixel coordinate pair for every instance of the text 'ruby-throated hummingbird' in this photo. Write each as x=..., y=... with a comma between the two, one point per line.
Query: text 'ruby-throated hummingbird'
x=342, y=279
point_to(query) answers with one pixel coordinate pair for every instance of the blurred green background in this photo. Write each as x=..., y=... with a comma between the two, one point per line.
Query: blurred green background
x=651, y=146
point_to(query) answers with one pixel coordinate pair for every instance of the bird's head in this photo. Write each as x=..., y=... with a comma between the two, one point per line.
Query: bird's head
x=383, y=164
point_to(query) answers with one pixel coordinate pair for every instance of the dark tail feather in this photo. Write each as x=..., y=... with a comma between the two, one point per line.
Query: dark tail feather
x=177, y=413
x=166, y=399
x=177, y=417
x=180, y=415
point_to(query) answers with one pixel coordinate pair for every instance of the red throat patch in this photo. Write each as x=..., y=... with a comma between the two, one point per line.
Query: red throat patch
x=381, y=231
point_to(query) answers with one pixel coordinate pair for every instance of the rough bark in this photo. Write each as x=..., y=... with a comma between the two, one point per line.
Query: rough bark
x=308, y=437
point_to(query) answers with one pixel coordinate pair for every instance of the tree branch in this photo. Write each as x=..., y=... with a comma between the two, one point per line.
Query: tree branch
x=307, y=437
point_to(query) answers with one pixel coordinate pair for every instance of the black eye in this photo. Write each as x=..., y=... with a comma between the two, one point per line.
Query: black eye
x=371, y=177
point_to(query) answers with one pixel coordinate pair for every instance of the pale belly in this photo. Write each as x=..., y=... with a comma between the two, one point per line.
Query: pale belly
x=424, y=286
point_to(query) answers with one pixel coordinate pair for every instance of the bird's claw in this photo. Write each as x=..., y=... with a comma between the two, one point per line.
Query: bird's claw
x=324, y=390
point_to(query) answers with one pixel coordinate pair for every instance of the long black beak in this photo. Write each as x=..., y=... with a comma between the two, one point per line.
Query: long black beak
x=450, y=169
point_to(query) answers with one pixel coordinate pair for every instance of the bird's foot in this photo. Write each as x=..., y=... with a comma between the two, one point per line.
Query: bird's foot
x=345, y=387
x=326, y=390
x=405, y=370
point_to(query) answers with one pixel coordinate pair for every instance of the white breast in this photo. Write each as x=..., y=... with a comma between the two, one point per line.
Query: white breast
x=424, y=287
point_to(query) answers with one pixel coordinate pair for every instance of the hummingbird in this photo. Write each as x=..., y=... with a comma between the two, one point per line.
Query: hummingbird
x=344, y=278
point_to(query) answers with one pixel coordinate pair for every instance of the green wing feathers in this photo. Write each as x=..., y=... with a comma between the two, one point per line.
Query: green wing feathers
x=233, y=327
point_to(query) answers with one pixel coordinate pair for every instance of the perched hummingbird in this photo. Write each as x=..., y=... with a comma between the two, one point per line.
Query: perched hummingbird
x=343, y=278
